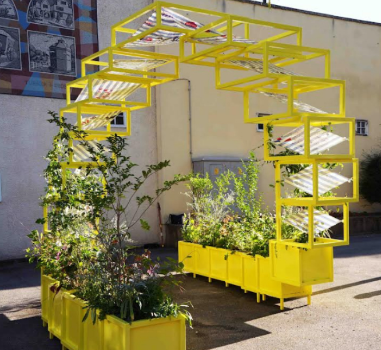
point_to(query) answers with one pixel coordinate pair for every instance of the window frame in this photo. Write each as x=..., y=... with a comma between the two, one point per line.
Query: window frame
x=119, y=125
x=258, y=125
x=365, y=127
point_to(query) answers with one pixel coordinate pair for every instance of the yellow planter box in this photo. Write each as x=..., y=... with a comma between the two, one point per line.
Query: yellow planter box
x=65, y=314
x=301, y=267
x=250, y=273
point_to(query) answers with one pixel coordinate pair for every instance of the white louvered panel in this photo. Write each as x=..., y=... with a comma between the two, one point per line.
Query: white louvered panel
x=109, y=90
x=299, y=105
x=320, y=140
x=98, y=120
x=80, y=153
x=257, y=65
x=327, y=180
x=322, y=221
x=138, y=64
x=175, y=20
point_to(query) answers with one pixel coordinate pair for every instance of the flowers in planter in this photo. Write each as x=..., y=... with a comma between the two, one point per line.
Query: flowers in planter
x=91, y=212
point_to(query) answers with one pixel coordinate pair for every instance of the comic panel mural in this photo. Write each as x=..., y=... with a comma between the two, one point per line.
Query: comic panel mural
x=58, y=13
x=54, y=54
x=42, y=43
x=10, y=55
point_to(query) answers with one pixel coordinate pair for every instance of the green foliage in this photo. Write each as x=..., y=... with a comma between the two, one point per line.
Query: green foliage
x=91, y=213
x=370, y=170
x=233, y=220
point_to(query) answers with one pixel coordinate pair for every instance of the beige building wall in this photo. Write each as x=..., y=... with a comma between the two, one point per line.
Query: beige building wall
x=217, y=127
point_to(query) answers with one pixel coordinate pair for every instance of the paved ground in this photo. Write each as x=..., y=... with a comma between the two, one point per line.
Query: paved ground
x=345, y=314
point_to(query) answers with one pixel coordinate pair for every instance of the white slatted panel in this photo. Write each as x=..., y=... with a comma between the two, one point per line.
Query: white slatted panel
x=138, y=64
x=322, y=221
x=109, y=90
x=98, y=120
x=175, y=20
x=299, y=105
x=321, y=140
x=327, y=180
x=80, y=153
x=257, y=65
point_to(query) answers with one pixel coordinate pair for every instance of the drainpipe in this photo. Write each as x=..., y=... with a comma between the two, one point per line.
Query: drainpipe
x=189, y=117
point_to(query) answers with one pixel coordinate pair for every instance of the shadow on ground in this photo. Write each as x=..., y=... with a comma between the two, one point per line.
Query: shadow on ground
x=221, y=314
x=25, y=334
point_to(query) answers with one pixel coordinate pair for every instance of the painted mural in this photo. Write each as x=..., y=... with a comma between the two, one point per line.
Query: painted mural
x=42, y=43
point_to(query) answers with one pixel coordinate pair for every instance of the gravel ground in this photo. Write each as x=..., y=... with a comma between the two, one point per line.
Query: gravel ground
x=344, y=314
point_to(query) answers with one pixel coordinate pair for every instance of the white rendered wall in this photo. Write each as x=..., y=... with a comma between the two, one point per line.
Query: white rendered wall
x=25, y=137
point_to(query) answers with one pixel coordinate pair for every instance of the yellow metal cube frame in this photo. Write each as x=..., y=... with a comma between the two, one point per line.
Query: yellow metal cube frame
x=271, y=55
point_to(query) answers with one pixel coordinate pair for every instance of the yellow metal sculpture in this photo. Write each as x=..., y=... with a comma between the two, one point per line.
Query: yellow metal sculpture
x=225, y=43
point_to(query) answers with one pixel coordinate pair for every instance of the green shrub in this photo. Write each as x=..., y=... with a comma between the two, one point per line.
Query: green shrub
x=370, y=170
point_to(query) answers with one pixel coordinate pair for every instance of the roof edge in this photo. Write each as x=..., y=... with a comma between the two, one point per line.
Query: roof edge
x=279, y=7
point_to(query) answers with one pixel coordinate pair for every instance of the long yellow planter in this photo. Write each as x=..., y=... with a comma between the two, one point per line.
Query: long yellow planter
x=301, y=267
x=250, y=273
x=65, y=313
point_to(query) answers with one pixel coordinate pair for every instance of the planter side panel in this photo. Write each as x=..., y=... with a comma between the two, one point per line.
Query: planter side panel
x=219, y=263
x=235, y=269
x=93, y=334
x=317, y=266
x=157, y=335
x=285, y=263
x=250, y=274
x=187, y=255
x=114, y=334
x=71, y=323
x=202, y=255
x=45, y=282
x=266, y=284
x=55, y=312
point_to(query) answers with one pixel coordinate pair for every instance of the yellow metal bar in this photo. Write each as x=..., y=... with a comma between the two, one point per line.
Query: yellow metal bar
x=277, y=200
x=311, y=226
x=307, y=136
x=315, y=182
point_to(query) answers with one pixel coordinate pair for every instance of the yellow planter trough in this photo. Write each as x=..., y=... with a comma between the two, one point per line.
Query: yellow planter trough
x=301, y=267
x=64, y=317
x=250, y=273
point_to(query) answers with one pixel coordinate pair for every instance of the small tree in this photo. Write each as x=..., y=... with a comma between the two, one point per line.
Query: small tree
x=90, y=219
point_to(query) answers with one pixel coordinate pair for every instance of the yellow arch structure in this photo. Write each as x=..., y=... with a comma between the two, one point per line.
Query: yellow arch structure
x=126, y=67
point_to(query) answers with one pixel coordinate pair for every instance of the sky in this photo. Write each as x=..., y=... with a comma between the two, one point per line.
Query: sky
x=366, y=10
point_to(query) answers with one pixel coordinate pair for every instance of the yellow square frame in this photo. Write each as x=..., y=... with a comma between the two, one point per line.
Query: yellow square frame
x=313, y=242
x=308, y=121
x=316, y=200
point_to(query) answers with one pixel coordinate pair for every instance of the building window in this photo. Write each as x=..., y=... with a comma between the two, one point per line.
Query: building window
x=119, y=121
x=362, y=127
x=260, y=127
